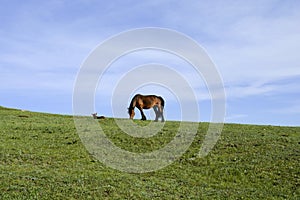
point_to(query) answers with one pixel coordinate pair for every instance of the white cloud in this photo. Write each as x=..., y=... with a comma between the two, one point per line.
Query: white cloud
x=257, y=54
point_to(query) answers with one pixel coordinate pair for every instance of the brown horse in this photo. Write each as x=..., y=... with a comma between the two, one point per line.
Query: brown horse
x=147, y=102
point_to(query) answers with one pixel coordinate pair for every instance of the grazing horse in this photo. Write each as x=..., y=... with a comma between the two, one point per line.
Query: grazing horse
x=147, y=102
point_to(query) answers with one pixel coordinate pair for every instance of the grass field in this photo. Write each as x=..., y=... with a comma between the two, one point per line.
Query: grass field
x=42, y=157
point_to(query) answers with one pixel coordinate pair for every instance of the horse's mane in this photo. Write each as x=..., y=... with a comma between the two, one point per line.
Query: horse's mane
x=133, y=102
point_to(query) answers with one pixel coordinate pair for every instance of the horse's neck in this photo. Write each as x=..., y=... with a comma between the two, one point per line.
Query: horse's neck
x=132, y=103
x=131, y=107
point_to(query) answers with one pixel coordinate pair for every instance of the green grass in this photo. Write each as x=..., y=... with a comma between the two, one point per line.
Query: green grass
x=42, y=157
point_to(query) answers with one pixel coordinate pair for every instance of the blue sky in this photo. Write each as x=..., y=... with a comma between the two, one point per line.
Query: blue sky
x=254, y=45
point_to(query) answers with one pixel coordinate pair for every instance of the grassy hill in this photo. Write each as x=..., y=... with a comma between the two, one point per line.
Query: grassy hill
x=42, y=157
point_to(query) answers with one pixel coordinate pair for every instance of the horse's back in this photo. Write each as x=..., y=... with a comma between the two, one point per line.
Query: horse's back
x=148, y=100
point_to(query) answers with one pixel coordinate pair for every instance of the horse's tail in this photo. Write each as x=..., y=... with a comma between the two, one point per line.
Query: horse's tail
x=162, y=102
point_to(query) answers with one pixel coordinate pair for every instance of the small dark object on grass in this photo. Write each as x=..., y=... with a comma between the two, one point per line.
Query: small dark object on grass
x=97, y=117
x=25, y=116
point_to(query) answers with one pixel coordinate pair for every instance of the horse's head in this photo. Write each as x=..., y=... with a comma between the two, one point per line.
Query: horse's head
x=131, y=113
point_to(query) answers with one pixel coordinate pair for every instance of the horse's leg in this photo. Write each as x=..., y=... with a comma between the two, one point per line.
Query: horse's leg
x=142, y=113
x=162, y=117
x=161, y=112
x=156, y=113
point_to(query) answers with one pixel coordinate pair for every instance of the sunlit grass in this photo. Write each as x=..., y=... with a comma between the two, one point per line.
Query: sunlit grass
x=42, y=157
